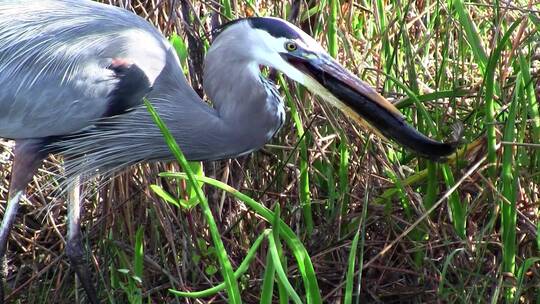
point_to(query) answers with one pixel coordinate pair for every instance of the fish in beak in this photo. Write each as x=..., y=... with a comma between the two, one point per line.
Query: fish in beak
x=327, y=78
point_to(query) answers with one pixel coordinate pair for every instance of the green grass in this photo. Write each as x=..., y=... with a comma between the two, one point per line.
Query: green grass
x=328, y=212
x=231, y=284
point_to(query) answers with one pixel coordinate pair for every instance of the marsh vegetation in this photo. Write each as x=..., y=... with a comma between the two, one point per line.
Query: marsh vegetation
x=327, y=211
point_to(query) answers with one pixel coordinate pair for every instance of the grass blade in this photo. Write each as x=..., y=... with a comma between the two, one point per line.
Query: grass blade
x=283, y=294
x=489, y=86
x=303, y=190
x=287, y=234
x=509, y=186
x=471, y=32
x=350, y=269
x=164, y=195
x=533, y=109
x=227, y=9
x=344, y=172
x=332, y=28
x=268, y=281
x=138, y=257
x=528, y=263
x=250, y=256
x=457, y=208
x=280, y=272
x=233, y=290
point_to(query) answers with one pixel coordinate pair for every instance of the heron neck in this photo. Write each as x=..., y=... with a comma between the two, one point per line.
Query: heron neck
x=248, y=106
x=234, y=87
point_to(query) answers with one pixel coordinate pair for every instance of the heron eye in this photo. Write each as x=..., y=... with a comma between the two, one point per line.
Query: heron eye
x=291, y=46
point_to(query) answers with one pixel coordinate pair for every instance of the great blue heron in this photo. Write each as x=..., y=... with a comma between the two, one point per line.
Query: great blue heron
x=73, y=74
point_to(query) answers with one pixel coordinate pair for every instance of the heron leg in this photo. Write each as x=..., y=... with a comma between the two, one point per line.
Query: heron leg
x=74, y=246
x=28, y=156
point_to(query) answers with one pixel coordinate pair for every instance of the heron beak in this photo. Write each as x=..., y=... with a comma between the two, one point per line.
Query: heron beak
x=327, y=78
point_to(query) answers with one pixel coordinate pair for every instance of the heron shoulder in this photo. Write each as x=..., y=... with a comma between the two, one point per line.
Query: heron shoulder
x=76, y=33
x=55, y=58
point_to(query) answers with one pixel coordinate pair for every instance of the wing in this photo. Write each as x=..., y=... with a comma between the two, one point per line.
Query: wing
x=65, y=64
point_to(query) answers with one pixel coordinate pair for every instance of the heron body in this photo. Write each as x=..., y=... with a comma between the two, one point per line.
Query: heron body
x=74, y=74
x=59, y=57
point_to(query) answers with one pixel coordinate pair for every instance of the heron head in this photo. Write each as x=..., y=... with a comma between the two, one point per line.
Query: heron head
x=281, y=45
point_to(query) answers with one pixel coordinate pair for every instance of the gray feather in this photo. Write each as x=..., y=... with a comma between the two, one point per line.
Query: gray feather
x=56, y=84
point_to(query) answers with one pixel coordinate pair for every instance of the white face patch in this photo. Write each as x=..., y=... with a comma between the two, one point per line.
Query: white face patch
x=267, y=52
